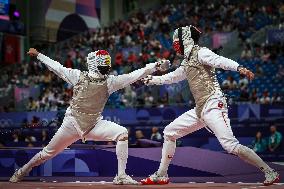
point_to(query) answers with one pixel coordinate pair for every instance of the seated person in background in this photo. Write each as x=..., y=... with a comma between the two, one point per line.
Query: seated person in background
x=229, y=83
x=142, y=142
x=243, y=82
x=259, y=143
x=265, y=98
x=254, y=96
x=244, y=95
x=274, y=140
x=156, y=135
x=30, y=139
x=15, y=136
x=258, y=71
x=138, y=135
x=44, y=137
x=35, y=122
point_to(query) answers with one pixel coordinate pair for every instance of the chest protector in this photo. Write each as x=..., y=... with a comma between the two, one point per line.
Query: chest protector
x=201, y=79
x=89, y=98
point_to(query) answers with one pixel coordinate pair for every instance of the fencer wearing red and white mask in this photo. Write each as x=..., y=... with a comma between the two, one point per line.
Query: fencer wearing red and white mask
x=198, y=68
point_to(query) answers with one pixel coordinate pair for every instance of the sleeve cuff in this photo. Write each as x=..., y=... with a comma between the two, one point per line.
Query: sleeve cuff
x=236, y=66
x=40, y=56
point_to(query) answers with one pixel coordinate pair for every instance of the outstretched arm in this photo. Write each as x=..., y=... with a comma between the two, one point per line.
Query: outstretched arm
x=118, y=82
x=172, y=77
x=69, y=75
x=207, y=57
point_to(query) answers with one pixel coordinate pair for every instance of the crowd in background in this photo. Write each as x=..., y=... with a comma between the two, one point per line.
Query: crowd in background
x=144, y=38
x=272, y=144
x=262, y=143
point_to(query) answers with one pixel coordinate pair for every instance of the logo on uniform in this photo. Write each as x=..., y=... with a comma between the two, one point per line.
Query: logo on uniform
x=220, y=105
x=170, y=157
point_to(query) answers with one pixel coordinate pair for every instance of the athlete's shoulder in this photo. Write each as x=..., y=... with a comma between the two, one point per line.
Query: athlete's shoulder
x=204, y=53
x=203, y=49
x=110, y=77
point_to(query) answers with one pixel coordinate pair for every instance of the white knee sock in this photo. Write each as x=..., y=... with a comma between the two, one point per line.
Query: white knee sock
x=251, y=157
x=167, y=155
x=122, y=155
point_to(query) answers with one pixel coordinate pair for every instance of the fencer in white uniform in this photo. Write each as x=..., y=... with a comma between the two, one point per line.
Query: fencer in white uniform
x=83, y=119
x=198, y=67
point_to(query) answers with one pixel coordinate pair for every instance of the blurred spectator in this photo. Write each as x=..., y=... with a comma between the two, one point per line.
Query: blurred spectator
x=35, y=122
x=229, y=83
x=132, y=58
x=246, y=53
x=53, y=106
x=148, y=99
x=179, y=100
x=244, y=95
x=243, y=82
x=156, y=135
x=163, y=101
x=15, y=137
x=30, y=139
x=265, y=99
x=129, y=96
x=259, y=144
x=139, y=135
x=25, y=123
x=68, y=63
x=32, y=105
x=276, y=98
x=47, y=77
x=119, y=58
x=44, y=136
x=258, y=71
x=265, y=55
x=254, y=96
x=274, y=140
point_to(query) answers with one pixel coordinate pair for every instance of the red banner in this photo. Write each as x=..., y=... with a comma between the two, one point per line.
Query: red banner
x=12, y=48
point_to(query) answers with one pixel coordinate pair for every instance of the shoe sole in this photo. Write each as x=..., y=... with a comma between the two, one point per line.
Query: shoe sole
x=150, y=182
x=125, y=184
x=276, y=180
x=13, y=181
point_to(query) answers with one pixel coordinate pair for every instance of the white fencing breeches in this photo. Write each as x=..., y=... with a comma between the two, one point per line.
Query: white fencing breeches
x=214, y=116
x=67, y=134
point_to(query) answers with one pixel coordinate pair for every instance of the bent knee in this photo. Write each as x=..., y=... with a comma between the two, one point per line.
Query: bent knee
x=123, y=136
x=242, y=151
x=170, y=134
x=172, y=138
x=230, y=145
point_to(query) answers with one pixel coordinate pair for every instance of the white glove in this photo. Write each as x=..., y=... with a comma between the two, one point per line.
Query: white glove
x=163, y=65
